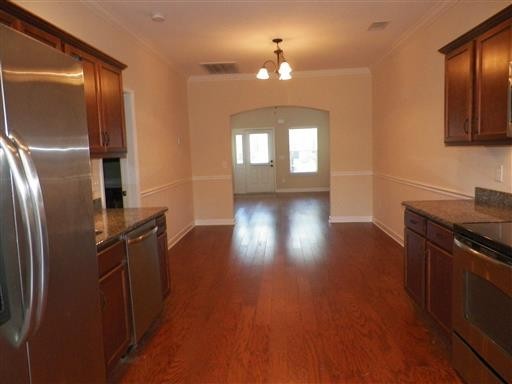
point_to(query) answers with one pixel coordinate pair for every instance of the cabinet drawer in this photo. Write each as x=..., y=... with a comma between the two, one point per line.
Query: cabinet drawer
x=440, y=236
x=415, y=222
x=111, y=257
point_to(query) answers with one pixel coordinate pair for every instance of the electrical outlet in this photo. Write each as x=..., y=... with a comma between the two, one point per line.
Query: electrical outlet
x=499, y=174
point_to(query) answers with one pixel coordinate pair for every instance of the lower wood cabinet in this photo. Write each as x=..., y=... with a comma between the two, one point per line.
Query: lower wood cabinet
x=428, y=267
x=115, y=302
x=439, y=285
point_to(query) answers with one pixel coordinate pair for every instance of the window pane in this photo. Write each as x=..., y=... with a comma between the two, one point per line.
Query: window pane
x=303, y=150
x=239, y=149
x=258, y=148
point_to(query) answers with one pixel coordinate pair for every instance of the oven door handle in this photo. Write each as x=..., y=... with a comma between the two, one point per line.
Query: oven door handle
x=480, y=253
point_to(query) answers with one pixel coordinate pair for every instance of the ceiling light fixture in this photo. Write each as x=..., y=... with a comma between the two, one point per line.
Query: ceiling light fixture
x=282, y=68
x=157, y=17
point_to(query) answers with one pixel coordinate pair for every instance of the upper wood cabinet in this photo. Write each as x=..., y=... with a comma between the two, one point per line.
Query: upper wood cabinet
x=478, y=83
x=103, y=85
x=459, y=66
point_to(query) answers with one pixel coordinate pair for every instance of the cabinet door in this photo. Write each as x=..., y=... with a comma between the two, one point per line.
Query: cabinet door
x=112, y=108
x=439, y=286
x=92, y=97
x=164, y=263
x=459, y=69
x=42, y=36
x=115, y=313
x=8, y=20
x=415, y=266
x=492, y=74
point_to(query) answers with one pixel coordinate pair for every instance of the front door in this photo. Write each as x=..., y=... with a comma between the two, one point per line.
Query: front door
x=253, y=161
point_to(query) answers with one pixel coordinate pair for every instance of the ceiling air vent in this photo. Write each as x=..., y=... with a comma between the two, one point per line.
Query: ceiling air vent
x=378, y=25
x=220, y=68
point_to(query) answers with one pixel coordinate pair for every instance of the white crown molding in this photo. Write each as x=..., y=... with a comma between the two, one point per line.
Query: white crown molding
x=164, y=187
x=433, y=13
x=296, y=74
x=180, y=235
x=294, y=190
x=211, y=178
x=351, y=173
x=426, y=187
x=203, y=222
x=100, y=10
x=350, y=219
x=388, y=231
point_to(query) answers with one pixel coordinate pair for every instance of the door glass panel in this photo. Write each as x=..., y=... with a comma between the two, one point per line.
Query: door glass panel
x=258, y=148
x=239, y=149
x=489, y=309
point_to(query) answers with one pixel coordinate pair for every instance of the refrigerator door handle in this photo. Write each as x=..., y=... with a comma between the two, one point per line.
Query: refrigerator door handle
x=40, y=229
x=34, y=245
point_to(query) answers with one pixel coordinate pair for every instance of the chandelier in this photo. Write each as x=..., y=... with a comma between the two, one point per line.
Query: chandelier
x=281, y=67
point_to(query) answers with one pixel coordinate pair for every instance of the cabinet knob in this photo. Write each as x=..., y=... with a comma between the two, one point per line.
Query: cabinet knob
x=466, y=125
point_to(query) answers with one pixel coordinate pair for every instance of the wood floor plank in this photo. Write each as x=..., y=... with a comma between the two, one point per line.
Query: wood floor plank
x=286, y=297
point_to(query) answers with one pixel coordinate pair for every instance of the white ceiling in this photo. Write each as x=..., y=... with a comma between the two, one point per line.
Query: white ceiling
x=321, y=34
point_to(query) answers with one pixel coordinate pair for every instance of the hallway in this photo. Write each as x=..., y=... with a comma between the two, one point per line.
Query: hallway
x=286, y=297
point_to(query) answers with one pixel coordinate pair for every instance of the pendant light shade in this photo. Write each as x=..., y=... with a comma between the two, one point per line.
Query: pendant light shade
x=262, y=74
x=281, y=66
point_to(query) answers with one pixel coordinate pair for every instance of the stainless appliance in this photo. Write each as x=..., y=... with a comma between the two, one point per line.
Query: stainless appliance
x=144, y=275
x=482, y=302
x=50, y=320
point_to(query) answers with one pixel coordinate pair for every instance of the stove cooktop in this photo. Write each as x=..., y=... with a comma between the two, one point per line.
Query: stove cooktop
x=497, y=236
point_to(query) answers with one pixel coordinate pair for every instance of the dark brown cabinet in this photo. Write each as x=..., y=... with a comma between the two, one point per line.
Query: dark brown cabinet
x=103, y=85
x=163, y=255
x=493, y=52
x=439, y=285
x=415, y=266
x=478, y=84
x=459, y=66
x=114, y=302
x=428, y=266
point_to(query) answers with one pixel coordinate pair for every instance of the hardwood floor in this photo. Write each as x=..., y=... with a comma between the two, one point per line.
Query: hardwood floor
x=285, y=297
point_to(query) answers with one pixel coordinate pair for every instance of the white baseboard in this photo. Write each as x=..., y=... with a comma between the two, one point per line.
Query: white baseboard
x=388, y=231
x=350, y=219
x=201, y=222
x=177, y=237
x=293, y=190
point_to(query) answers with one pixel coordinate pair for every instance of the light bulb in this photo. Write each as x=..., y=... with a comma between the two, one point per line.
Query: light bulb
x=285, y=68
x=262, y=74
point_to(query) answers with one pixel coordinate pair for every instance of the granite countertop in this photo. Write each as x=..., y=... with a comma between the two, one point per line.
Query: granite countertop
x=450, y=212
x=115, y=222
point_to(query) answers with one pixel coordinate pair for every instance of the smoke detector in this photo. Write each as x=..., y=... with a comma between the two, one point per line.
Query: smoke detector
x=157, y=17
x=220, y=68
x=378, y=25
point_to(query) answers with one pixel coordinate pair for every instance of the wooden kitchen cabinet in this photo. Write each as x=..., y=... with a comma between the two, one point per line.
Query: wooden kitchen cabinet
x=163, y=255
x=415, y=266
x=428, y=266
x=459, y=67
x=439, y=285
x=493, y=52
x=112, y=108
x=477, y=86
x=40, y=35
x=114, y=302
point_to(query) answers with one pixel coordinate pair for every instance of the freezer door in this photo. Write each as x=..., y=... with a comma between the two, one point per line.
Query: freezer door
x=45, y=112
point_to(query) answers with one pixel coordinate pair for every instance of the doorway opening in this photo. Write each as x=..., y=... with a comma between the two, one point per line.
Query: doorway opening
x=280, y=149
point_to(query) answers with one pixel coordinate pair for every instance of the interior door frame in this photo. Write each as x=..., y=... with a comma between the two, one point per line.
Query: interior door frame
x=245, y=132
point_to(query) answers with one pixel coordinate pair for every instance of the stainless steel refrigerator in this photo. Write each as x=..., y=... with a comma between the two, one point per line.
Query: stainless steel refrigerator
x=50, y=319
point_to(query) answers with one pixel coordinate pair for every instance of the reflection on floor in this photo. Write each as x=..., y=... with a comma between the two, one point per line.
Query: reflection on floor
x=286, y=297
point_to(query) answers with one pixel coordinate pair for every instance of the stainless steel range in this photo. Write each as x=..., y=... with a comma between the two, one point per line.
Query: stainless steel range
x=482, y=302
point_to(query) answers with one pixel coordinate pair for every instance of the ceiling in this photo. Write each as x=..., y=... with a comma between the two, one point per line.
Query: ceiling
x=321, y=34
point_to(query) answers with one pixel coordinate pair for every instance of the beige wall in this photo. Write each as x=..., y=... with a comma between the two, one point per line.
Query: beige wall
x=160, y=96
x=282, y=119
x=410, y=160
x=345, y=94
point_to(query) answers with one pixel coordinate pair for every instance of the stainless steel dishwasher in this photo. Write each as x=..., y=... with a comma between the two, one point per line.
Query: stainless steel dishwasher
x=144, y=275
